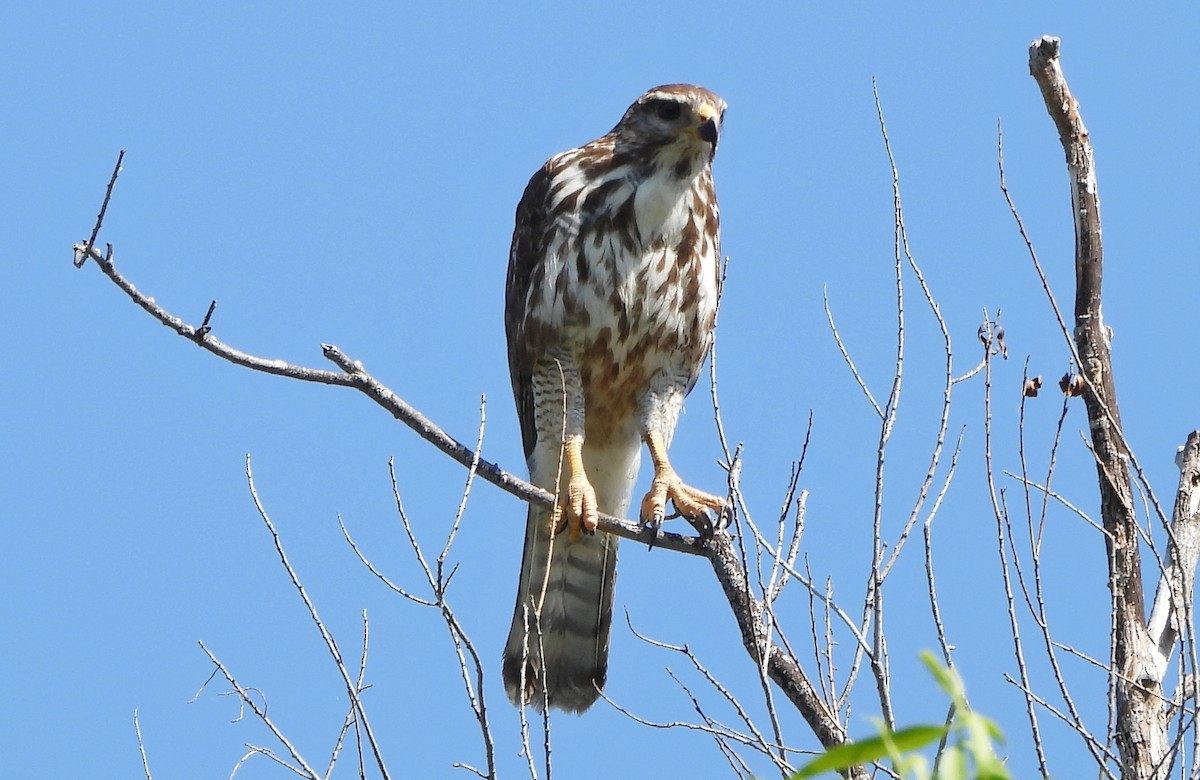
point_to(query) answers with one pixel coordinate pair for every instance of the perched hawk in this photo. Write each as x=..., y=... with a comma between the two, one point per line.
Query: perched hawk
x=609, y=311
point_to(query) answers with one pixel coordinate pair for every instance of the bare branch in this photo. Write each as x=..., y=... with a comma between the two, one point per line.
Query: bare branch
x=439, y=580
x=721, y=734
x=712, y=372
x=1061, y=499
x=1068, y=340
x=522, y=707
x=472, y=470
x=353, y=375
x=874, y=607
x=137, y=728
x=1036, y=602
x=351, y=689
x=261, y=712
x=757, y=740
x=83, y=252
x=781, y=667
x=257, y=750
x=837, y=337
x=1087, y=737
x=351, y=716
x=1003, y=534
x=378, y=574
x=930, y=580
x=1178, y=581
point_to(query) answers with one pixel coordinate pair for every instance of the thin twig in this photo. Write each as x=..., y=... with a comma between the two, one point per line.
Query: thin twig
x=1000, y=513
x=879, y=656
x=438, y=581
x=137, y=728
x=270, y=754
x=930, y=580
x=522, y=707
x=351, y=719
x=326, y=636
x=1061, y=499
x=84, y=252
x=1037, y=602
x=1087, y=737
x=758, y=741
x=261, y=712
x=837, y=337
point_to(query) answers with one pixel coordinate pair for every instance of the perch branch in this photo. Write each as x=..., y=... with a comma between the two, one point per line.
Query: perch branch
x=353, y=375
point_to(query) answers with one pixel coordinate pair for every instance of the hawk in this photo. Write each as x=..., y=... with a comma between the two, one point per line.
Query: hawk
x=610, y=304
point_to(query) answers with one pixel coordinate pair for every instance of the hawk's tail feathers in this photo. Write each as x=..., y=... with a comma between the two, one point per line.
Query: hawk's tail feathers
x=570, y=654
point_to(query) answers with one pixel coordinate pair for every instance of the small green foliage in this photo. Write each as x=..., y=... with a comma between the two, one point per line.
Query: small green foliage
x=967, y=755
x=889, y=744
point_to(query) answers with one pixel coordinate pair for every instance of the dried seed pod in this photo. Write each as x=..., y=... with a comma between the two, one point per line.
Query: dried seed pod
x=1072, y=385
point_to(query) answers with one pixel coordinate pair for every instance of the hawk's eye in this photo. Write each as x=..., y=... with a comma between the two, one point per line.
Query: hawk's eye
x=669, y=111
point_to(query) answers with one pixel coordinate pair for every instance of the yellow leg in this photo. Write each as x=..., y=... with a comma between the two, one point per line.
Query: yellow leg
x=689, y=502
x=579, y=507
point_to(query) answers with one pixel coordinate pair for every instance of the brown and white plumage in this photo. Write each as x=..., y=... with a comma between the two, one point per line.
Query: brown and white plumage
x=609, y=311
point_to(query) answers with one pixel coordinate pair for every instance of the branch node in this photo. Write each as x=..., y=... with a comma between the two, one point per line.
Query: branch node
x=205, y=326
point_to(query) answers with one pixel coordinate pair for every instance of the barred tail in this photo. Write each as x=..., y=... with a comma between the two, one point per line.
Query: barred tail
x=572, y=610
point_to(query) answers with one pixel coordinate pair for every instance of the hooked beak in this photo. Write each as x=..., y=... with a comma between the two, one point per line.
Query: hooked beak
x=709, y=130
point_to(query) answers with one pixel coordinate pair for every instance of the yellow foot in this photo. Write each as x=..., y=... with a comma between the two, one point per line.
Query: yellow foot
x=578, y=511
x=689, y=502
x=695, y=505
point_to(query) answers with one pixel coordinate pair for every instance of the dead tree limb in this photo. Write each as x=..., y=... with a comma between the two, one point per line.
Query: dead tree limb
x=1174, y=597
x=1142, y=719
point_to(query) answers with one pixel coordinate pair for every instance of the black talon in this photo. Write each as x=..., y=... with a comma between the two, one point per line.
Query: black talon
x=653, y=526
x=726, y=517
x=703, y=522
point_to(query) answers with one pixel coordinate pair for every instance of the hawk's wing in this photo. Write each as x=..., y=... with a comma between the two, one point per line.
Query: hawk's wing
x=524, y=267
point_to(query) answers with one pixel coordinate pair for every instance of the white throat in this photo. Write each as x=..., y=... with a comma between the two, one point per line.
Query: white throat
x=661, y=205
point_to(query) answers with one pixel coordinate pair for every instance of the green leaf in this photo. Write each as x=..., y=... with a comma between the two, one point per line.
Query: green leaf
x=915, y=737
x=981, y=732
x=990, y=768
x=947, y=680
x=872, y=749
x=914, y=767
x=952, y=765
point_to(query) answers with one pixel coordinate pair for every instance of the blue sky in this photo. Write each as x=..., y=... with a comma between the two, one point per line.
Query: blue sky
x=348, y=175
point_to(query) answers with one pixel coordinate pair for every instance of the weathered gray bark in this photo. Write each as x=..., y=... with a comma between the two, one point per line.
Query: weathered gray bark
x=1142, y=717
x=1173, y=601
x=782, y=667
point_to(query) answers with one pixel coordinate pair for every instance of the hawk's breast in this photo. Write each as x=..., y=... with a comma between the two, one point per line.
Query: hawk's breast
x=630, y=287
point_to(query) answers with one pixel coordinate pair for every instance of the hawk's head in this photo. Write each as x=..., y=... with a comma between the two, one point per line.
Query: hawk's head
x=677, y=123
